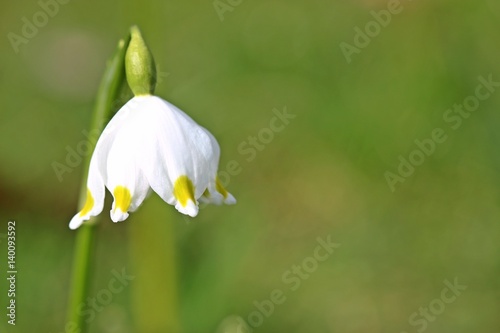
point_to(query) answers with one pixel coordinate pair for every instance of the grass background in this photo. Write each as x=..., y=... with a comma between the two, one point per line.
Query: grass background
x=322, y=175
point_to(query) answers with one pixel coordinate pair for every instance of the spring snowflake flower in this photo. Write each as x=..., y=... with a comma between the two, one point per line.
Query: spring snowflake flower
x=151, y=145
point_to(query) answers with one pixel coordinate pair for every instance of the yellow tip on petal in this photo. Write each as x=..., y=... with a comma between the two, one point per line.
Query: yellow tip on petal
x=122, y=198
x=89, y=204
x=220, y=188
x=184, y=190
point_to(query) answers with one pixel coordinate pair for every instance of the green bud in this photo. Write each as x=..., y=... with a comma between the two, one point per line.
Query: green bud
x=139, y=65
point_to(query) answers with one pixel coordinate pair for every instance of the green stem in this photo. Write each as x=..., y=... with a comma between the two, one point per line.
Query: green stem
x=108, y=94
x=81, y=276
x=155, y=306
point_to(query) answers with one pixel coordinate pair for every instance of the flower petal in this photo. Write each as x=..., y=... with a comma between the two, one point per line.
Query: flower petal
x=217, y=194
x=95, y=192
x=177, y=147
x=228, y=197
x=184, y=194
x=125, y=179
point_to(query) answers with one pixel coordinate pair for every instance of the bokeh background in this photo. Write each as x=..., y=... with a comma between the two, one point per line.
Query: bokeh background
x=323, y=175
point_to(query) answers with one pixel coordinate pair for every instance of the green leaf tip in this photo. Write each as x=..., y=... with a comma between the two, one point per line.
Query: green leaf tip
x=139, y=65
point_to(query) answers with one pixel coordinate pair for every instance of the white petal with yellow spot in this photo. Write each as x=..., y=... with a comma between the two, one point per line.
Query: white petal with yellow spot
x=151, y=144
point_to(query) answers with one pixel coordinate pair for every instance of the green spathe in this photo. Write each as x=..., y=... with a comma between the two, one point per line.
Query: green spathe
x=140, y=65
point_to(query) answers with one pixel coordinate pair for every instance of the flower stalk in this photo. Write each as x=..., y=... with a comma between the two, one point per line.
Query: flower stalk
x=108, y=93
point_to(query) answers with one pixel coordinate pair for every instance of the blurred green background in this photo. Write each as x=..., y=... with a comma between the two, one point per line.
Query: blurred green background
x=322, y=175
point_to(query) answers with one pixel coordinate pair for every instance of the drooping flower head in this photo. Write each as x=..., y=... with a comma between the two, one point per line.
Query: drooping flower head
x=150, y=144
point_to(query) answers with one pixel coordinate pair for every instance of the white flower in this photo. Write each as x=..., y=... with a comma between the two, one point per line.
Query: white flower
x=151, y=144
